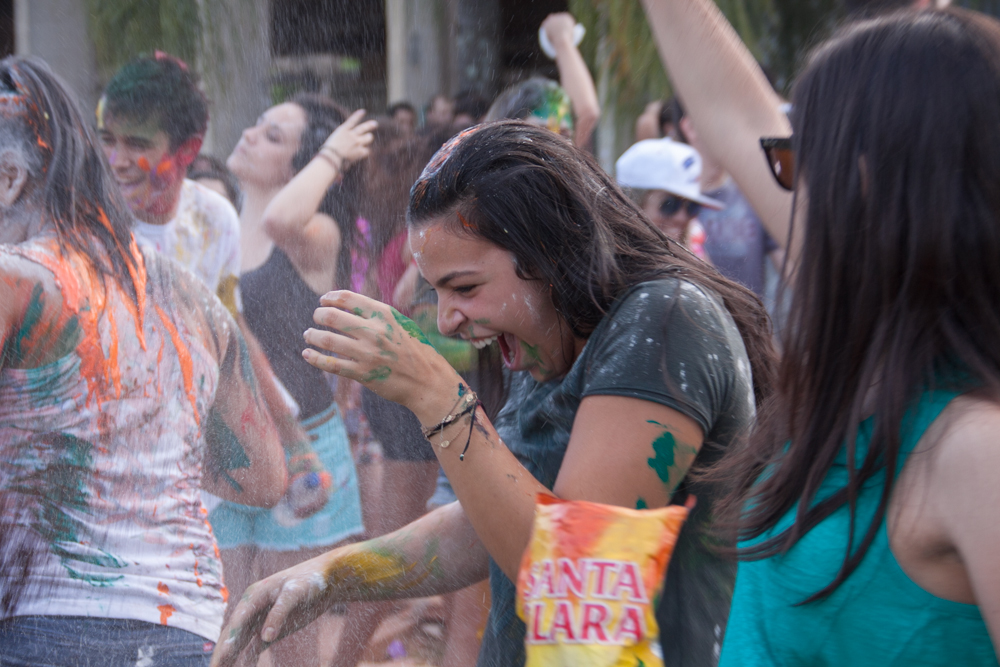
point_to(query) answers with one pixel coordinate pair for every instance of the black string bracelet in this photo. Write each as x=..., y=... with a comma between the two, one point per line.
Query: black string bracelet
x=472, y=425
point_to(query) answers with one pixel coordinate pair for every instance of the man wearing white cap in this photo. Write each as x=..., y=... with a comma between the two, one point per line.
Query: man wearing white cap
x=666, y=177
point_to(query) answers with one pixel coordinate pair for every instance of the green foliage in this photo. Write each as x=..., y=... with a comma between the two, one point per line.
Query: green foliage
x=124, y=29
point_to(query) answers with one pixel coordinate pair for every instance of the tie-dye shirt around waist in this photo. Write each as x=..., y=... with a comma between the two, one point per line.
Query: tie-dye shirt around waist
x=101, y=458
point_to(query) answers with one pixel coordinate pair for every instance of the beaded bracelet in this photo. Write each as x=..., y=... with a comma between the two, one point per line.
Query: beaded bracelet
x=469, y=400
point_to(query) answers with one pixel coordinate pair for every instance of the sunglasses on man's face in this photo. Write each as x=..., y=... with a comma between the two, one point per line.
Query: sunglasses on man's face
x=781, y=160
x=671, y=205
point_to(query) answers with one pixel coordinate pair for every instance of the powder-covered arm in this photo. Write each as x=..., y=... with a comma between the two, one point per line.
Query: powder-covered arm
x=725, y=90
x=436, y=554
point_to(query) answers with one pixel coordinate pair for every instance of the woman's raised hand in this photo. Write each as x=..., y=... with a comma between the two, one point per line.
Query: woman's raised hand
x=385, y=351
x=352, y=139
x=274, y=608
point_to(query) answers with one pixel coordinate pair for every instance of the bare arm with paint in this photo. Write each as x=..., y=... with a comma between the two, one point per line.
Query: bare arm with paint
x=244, y=461
x=292, y=218
x=574, y=76
x=726, y=92
x=436, y=554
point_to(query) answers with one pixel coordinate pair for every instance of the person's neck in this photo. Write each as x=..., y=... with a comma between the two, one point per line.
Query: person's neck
x=162, y=218
x=255, y=244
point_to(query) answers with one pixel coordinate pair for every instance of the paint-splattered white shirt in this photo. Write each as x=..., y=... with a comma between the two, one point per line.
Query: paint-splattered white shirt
x=204, y=238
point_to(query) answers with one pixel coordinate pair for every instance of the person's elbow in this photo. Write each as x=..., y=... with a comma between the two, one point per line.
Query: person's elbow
x=270, y=483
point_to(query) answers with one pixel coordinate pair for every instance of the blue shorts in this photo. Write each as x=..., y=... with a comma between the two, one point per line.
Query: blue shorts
x=235, y=525
x=78, y=641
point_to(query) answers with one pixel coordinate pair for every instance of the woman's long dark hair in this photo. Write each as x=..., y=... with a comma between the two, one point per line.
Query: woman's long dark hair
x=568, y=225
x=897, y=125
x=323, y=116
x=81, y=199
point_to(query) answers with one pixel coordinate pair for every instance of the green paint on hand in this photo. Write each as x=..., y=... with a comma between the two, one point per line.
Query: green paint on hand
x=641, y=504
x=357, y=311
x=410, y=327
x=379, y=373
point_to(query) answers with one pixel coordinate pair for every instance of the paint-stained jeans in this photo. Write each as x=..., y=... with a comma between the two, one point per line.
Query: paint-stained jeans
x=75, y=641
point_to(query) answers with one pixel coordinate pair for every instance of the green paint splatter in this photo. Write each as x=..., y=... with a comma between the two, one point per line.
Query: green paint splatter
x=32, y=316
x=482, y=321
x=357, y=311
x=389, y=354
x=225, y=452
x=380, y=373
x=410, y=327
x=663, y=449
x=641, y=504
x=60, y=488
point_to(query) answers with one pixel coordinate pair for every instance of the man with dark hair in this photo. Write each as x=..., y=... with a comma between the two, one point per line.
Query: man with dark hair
x=124, y=391
x=151, y=121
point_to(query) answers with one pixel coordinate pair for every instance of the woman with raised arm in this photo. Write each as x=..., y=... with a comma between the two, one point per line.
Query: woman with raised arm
x=631, y=361
x=298, y=225
x=866, y=501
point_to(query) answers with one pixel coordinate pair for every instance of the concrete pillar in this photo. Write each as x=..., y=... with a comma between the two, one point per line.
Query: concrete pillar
x=417, y=50
x=56, y=32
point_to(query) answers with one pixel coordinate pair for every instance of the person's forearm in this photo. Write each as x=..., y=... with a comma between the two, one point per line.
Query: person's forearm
x=436, y=554
x=295, y=204
x=497, y=493
x=726, y=95
x=575, y=79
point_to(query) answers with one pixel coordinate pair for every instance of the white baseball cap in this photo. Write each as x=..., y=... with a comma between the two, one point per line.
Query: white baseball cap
x=664, y=164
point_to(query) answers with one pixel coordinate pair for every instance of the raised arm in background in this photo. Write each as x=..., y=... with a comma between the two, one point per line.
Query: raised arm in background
x=724, y=88
x=574, y=76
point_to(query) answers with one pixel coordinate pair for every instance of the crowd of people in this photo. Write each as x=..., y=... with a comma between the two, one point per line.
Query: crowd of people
x=242, y=397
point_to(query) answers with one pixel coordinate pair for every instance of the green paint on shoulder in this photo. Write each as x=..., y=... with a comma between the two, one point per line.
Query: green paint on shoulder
x=410, y=327
x=377, y=374
x=641, y=504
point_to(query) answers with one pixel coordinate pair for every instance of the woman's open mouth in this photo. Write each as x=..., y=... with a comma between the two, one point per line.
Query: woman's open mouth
x=480, y=343
x=507, y=350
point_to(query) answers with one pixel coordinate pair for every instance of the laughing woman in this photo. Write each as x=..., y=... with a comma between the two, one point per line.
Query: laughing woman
x=630, y=364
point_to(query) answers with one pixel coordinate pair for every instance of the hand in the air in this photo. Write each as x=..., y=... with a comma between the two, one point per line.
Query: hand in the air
x=352, y=139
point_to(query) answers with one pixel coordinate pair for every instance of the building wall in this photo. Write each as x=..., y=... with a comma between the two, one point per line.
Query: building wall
x=56, y=31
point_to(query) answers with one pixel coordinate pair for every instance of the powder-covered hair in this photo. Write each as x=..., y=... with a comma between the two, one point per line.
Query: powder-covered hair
x=81, y=199
x=160, y=88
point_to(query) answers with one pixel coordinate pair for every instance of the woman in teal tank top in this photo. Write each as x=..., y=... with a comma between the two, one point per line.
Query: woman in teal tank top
x=866, y=502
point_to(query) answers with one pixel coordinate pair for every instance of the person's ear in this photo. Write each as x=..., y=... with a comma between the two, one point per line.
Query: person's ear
x=188, y=151
x=13, y=177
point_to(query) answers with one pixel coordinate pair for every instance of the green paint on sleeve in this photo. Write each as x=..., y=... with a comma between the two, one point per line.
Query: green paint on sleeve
x=377, y=374
x=410, y=327
x=641, y=504
x=225, y=452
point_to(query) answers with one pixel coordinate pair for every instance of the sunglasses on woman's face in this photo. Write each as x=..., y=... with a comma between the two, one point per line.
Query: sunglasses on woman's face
x=781, y=160
x=671, y=205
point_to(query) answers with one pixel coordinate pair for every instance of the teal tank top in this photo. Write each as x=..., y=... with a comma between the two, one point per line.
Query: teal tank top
x=877, y=617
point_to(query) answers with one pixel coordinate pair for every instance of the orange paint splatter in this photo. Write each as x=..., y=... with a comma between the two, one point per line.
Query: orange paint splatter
x=113, y=369
x=465, y=223
x=143, y=164
x=197, y=577
x=166, y=611
x=163, y=588
x=184, y=357
x=225, y=594
x=166, y=164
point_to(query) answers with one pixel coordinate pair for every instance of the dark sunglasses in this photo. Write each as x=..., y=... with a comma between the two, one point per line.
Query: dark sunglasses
x=781, y=160
x=672, y=204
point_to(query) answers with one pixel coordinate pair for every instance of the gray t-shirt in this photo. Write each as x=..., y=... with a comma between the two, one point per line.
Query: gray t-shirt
x=735, y=240
x=672, y=343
